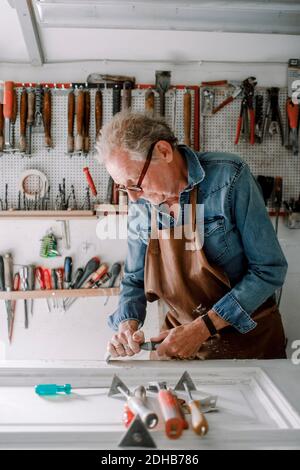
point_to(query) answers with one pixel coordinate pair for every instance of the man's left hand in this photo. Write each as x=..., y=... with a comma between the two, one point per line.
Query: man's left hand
x=184, y=341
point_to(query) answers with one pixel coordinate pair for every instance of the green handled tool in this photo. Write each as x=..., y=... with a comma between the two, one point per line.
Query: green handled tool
x=53, y=389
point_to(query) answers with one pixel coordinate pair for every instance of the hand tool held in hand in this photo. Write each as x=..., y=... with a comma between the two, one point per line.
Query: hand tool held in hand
x=147, y=346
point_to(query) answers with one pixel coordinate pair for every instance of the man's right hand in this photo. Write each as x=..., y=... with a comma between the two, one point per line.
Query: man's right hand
x=127, y=341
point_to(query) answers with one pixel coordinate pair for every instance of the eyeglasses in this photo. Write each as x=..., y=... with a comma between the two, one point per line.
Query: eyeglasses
x=138, y=187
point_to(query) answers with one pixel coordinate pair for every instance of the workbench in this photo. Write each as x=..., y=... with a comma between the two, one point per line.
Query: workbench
x=258, y=404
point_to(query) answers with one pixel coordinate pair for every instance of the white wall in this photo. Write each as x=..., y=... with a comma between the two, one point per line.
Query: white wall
x=82, y=332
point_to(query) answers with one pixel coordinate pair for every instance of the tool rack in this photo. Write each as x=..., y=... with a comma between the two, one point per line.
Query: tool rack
x=56, y=164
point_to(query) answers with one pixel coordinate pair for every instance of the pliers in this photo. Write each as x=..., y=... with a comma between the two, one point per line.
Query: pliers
x=247, y=115
x=273, y=120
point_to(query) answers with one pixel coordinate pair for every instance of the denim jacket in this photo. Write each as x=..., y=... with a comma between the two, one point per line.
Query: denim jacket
x=238, y=236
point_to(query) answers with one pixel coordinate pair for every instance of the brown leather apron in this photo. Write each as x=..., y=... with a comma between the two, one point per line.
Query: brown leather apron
x=184, y=279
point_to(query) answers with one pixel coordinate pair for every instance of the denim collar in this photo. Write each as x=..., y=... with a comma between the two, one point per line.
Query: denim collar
x=196, y=172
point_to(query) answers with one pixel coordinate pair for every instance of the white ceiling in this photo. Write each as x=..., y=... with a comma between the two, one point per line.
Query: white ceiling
x=81, y=44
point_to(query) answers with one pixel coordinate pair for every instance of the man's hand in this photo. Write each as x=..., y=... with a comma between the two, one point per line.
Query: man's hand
x=183, y=341
x=127, y=341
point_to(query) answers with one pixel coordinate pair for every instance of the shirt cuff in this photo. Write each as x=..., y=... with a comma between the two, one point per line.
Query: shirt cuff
x=127, y=311
x=231, y=311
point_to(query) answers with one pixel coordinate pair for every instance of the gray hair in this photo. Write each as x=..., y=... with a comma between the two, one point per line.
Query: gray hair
x=134, y=133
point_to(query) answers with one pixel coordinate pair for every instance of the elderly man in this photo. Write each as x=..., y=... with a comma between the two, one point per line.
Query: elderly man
x=221, y=292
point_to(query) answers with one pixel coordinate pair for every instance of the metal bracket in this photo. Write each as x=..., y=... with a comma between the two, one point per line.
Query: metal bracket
x=185, y=378
x=137, y=435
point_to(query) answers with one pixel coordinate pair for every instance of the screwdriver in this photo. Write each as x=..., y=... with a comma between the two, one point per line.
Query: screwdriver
x=8, y=283
x=91, y=266
x=54, y=286
x=31, y=279
x=76, y=280
x=48, y=284
x=16, y=288
x=60, y=285
x=114, y=273
x=2, y=288
x=24, y=287
x=93, y=278
x=68, y=266
x=39, y=273
x=53, y=389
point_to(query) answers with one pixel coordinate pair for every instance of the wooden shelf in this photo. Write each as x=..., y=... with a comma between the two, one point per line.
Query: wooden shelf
x=58, y=215
x=110, y=209
x=65, y=293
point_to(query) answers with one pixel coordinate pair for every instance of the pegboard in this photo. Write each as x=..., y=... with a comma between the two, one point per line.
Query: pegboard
x=56, y=164
x=270, y=158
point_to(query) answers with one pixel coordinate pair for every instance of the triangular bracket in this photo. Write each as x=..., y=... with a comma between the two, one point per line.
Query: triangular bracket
x=137, y=435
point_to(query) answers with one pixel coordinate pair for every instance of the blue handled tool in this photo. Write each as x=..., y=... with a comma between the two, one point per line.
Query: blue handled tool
x=53, y=389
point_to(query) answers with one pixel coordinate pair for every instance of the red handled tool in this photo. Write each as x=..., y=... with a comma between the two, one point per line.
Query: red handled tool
x=90, y=181
x=174, y=423
x=8, y=112
x=17, y=283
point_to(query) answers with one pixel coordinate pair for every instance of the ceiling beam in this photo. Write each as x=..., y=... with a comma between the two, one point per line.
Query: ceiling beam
x=27, y=19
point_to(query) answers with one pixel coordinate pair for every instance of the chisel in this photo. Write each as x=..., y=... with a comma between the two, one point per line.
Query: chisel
x=23, y=120
x=126, y=96
x=24, y=288
x=54, y=286
x=8, y=282
x=1, y=127
x=14, y=118
x=187, y=117
x=149, y=102
x=98, y=112
x=114, y=273
x=147, y=346
x=87, y=117
x=30, y=117
x=8, y=113
x=14, y=303
x=79, y=121
x=81, y=276
x=31, y=283
x=90, y=281
x=71, y=115
x=47, y=117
